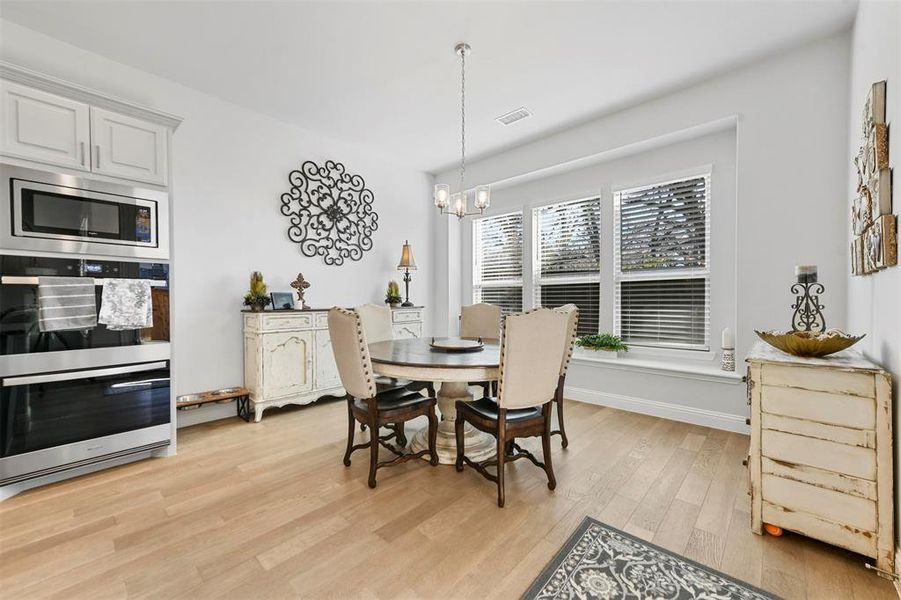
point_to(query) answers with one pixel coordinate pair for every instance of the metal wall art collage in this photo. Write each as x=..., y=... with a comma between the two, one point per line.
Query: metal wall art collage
x=875, y=244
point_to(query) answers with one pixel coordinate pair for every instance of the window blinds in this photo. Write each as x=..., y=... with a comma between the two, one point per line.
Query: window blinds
x=661, y=259
x=497, y=261
x=567, y=258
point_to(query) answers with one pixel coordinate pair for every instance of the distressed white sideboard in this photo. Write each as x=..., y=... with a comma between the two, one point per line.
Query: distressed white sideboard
x=288, y=355
x=821, y=449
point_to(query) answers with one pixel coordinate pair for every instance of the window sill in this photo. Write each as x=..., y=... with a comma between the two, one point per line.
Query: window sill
x=700, y=370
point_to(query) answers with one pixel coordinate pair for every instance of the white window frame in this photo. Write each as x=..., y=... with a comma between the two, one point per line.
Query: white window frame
x=619, y=277
x=477, y=284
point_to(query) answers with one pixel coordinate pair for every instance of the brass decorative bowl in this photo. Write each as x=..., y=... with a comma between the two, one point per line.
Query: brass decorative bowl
x=809, y=343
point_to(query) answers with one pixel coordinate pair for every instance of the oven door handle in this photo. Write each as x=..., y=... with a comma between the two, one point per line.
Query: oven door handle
x=72, y=375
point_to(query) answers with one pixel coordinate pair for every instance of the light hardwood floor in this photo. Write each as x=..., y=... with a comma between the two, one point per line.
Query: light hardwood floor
x=268, y=511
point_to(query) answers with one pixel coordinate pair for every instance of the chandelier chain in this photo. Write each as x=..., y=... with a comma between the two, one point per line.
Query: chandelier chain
x=462, y=121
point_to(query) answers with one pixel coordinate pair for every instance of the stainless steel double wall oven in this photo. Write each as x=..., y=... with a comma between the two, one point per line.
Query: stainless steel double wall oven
x=77, y=397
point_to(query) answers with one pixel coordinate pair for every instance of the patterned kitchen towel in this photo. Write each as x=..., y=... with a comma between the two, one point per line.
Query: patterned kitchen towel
x=66, y=303
x=126, y=304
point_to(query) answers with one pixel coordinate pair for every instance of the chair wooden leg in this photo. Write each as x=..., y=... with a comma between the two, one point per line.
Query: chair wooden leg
x=565, y=440
x=433, y=437
x=458, y=430
x=501, y=460
x=401, y=435
x=373, y=445
x=546, y=449
x=350, y=435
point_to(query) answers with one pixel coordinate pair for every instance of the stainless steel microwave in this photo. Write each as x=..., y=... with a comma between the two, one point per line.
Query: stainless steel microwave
x=52, y=212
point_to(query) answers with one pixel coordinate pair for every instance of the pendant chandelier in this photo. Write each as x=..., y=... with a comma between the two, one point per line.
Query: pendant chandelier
x=456, y=204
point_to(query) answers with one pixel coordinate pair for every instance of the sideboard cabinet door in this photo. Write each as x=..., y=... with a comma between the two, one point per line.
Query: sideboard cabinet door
x=326, y=375
x=127, y=147
x=287, y=363
x=44, y=127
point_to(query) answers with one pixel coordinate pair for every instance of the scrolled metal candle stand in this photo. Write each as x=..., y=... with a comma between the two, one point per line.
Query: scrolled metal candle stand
x=808, y=315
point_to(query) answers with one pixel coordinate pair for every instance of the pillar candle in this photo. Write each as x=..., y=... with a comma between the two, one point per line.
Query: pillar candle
x=728, y=338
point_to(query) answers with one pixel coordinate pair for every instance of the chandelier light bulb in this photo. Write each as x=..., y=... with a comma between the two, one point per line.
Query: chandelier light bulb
x=483, y=197
x=459, y=204
x=442, y=193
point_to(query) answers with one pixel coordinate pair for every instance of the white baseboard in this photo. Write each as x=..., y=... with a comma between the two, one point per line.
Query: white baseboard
x=666, y=410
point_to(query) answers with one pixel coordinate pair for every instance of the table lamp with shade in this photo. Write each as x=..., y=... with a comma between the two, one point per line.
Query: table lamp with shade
x=406, y=265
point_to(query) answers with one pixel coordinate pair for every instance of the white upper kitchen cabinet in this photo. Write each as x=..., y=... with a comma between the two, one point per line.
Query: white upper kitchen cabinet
x=128, y=148
x=44, y=127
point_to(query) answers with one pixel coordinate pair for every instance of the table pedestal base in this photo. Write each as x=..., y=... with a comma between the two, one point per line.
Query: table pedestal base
x=479, y=446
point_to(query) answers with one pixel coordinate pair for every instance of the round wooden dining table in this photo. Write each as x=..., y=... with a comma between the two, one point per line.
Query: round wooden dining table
x=416, y=360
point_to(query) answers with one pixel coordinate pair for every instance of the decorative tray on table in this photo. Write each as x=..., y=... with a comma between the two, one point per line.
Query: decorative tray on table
x=456, y=345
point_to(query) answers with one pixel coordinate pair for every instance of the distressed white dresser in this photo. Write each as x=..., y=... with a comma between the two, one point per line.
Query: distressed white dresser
x=288, y=355
x=821, y=449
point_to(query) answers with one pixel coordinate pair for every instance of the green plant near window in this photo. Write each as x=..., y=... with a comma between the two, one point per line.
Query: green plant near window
x=602, y=341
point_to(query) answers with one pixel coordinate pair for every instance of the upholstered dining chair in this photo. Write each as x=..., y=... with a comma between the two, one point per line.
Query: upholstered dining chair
x=378, y=327
x=572, y=313
x=532, y=349
x=481, y=321
x=366, y=404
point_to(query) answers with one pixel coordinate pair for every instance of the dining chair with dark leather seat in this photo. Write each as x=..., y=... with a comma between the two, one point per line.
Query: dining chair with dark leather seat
x=481, y=321
x=532, y=349
x=366, y=404
x=377, y=326
x=572, y=313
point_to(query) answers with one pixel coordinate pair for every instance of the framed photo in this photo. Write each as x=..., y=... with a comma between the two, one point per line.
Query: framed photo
x=282, y=300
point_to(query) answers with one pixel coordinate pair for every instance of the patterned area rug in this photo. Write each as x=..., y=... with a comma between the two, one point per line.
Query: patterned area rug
x=599, y=561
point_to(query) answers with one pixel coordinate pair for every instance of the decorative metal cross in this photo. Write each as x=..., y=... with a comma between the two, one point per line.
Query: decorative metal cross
x=300, y=284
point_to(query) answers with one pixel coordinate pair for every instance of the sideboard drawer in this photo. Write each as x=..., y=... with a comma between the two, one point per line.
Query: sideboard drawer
x=407, y=316
x=321, y=320
x=287, y=322
x=835, y=506
x=801, y=450
x=822, y=407
x=821, y=380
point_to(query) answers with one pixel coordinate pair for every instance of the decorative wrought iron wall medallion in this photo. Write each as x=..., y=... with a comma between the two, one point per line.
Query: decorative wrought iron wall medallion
x=330, y=211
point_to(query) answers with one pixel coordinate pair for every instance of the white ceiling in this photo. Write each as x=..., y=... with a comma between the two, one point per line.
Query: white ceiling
x=384, y=73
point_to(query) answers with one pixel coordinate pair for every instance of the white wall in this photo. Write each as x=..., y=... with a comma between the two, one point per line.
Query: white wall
x=874, y=301
x=791, y=176
x=230, y=165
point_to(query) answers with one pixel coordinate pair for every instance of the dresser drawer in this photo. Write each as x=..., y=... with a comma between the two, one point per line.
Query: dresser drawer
x=287, y=322
x=823, y=407
x=820, y=380
x=407, y=316
x=801, y=450
x=865, y=438
x=844, y=536
x=831, y=505
x=321, y=320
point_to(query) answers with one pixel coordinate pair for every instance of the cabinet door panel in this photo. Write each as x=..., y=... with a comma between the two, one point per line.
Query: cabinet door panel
x=403, y=331
x=44, y=127
x=326, y=375
x=287, y=363
x=128, y=147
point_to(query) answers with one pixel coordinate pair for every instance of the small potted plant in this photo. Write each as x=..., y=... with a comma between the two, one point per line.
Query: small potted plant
x=257, y=298
x=606, y=342
x=392, y=296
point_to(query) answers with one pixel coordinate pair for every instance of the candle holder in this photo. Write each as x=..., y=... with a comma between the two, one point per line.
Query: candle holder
x=728, y=359
x=808, y=315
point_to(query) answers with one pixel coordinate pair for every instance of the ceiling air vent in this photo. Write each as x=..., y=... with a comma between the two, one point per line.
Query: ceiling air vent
x=513, y=116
